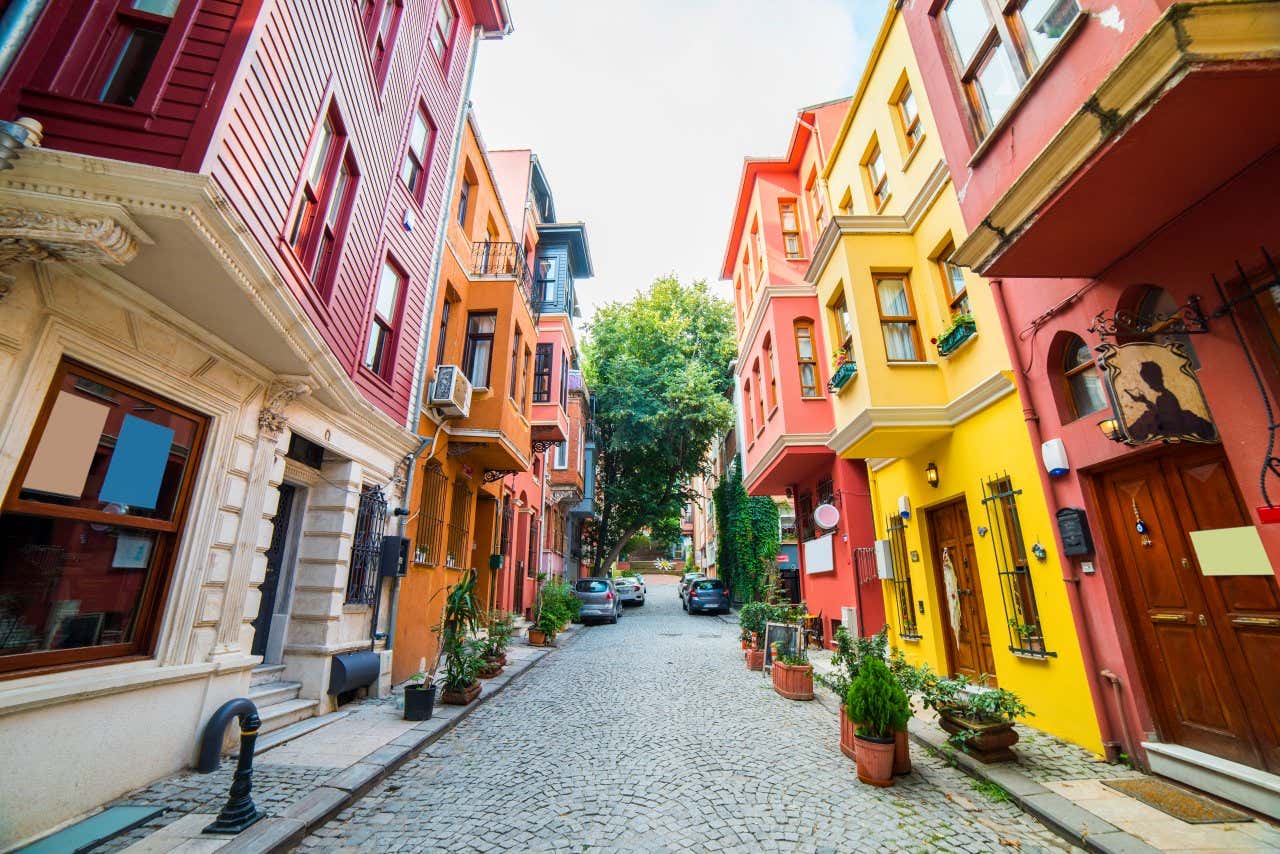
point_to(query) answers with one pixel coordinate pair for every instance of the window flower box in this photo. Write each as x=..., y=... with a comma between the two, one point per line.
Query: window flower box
x=962, y=328
x=842, y=375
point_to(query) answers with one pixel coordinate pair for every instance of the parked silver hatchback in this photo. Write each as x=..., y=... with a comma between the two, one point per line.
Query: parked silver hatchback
x=600, y=600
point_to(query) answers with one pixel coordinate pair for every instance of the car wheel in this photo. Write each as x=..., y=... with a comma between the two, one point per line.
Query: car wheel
x=613, y=621
x=640, y=603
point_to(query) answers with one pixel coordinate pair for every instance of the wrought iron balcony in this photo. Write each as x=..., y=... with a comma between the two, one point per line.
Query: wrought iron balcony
x=497, y=260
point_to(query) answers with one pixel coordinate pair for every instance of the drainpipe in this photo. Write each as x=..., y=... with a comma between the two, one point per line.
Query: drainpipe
x=1072, y=581
x=402, y=520
x=15, y=27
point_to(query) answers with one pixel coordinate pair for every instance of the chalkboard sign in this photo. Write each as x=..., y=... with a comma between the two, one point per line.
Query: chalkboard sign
x=1074, y=527
x=788, y=636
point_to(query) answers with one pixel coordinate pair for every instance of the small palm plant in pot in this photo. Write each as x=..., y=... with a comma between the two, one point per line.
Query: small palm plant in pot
x=880, y=706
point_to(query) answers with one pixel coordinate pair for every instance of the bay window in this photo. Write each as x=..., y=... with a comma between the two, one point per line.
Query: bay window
x=898, y=319
x=542, y=373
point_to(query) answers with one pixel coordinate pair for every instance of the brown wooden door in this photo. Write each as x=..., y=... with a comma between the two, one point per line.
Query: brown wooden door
x=1208, y=645
x=969, y=649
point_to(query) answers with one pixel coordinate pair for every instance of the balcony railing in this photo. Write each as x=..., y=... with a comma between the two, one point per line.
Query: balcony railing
x=532, y=291
x=499, y=260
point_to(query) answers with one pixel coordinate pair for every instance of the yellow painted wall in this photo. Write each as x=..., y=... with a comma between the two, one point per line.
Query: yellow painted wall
x=908, y=235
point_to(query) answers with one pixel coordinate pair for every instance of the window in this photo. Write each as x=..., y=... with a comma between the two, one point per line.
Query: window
x=813, y=194
x=903, y=596
x=524, y=386
x=379, y=351
x=996, y=45
x=547, y=269
x=807, y=359
x=562, y=455
x=746, y=274
x=771, y=378
x=826, y=491
x=542, y=373
x=1084, y=383
x=426, y=548
x=790, y=229
x=805, y=528
x=755, y=377
x=846, y=202
x=515, y=365
x=417, y=154
x=476, y=361
x=746, y=412
x=897, y=319
x=328, y=184
x=445, y=310
x=909, y=117
x=130, y=45
x=844, y=328
x=582, y=450
x=381, y=22
x=458, y=550
x=1026, y=634
x=877, y=177
x=89, y=534
x=366, y=547
x=564, y=380
x=442, y=30
x=464, y=200
x=760, y=251
x=953, y=282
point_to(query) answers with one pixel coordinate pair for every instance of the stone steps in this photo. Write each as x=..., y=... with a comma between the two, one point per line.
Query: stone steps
x=266, y=673
x=267, y=694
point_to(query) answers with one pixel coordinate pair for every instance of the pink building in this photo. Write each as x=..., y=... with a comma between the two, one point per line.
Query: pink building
x=1120, y=182
x=785, y=415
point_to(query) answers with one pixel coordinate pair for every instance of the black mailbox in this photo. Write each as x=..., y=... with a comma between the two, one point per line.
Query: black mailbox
x=1073, y=525
x=395, y=556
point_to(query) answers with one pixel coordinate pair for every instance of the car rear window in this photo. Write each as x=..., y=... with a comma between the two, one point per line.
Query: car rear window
x=592, y=585
x=713, y=584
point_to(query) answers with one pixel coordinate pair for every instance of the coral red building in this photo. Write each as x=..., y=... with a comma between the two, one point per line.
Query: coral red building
x=1120, y=175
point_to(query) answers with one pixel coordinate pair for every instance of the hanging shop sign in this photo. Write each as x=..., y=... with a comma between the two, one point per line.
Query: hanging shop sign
x=1155, y=393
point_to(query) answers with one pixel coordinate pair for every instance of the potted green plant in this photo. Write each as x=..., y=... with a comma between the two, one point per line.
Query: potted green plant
x=843, y=368
x=879, y=704
x=461, y=618
x=419, y=698
x=752, y=618
x=493, y=648
x=978, y=720
x=847, y=662
x=793, y=675
x=460, y=683
x=911, y=679
x=961, y=328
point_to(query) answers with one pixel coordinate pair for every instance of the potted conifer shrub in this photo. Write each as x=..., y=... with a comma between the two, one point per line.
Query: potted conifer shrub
x=847, y=662
x=879, y=704
x=752, y=618
x=793, y=675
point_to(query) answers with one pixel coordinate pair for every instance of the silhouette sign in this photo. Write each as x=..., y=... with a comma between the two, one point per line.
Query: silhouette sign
x=1155, y=393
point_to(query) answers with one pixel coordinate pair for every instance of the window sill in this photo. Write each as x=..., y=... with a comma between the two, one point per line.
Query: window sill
x=82, y=683
x=911, y=155
x=813, y=397
x=1028, y=655
x=1032, y=82
x=772, y=412
x=893, y=364
x=910, y=638
x=378, y=379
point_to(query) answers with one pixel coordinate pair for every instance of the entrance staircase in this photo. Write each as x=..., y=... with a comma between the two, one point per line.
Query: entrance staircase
x=277, y=701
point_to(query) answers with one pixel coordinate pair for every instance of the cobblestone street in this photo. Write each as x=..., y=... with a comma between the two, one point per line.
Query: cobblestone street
x=649, y=736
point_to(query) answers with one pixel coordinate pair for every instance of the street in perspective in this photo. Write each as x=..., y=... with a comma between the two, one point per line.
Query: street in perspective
x=690, y=425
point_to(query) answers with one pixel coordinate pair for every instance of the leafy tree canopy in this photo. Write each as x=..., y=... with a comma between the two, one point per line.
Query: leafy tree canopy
x=658, y=369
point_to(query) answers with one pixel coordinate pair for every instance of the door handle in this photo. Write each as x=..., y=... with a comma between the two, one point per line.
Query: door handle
x=1200, y=620
x=1169, y=618
x=1269, y=622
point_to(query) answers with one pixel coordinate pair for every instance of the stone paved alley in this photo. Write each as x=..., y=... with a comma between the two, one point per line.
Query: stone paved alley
x=651, y=736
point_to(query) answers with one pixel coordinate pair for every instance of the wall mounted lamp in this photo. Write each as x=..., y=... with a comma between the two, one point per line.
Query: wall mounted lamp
x=1111, y=428
x=931, y=474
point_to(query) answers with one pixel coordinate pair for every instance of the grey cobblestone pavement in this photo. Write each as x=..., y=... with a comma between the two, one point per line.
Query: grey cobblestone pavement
x=652, y=736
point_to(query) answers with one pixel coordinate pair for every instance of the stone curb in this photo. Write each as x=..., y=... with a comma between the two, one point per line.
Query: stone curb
x=283, y=832
x=1069, y=821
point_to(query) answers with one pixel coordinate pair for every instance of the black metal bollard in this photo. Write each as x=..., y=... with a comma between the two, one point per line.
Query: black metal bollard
x=239, y=811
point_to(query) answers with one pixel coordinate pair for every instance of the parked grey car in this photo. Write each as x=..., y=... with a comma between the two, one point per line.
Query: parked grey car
x=600, y=600
x=629, y=590
x=707, y=594
x=687, y=579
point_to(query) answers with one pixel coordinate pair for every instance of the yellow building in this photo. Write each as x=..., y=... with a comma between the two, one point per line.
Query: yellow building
x=933, y=409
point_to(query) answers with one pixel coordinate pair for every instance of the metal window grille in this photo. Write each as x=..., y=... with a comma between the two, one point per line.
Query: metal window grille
x=826, y=491
x=805, y=530
x=1022, y=616
x=426, y=546
x=457, y=553
x=531, y=564
x=903, y=596
x=366, y=549
x=864, y=565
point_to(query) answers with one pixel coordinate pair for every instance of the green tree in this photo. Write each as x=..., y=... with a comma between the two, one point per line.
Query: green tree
x=658, y=369
x=749, y=537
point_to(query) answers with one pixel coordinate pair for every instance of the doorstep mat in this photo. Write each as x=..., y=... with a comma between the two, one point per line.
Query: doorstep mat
x=1176, y=801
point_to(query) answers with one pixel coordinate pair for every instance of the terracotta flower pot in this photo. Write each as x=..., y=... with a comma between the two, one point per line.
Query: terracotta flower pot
x=795, y=682
x=461, y=698
x=745, y=644
x=848, y=731
x=875, y=761
x=901, y=753
x=537, y=637
x=990, y=742
x=755, y=659
x=491, y=669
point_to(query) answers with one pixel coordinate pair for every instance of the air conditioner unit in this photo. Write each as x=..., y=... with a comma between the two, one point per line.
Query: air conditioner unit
x=849, y=619
x=884, y=560
x=451, y=392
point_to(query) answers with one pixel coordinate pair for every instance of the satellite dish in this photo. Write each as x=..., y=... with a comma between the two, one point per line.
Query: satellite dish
x=826, y=516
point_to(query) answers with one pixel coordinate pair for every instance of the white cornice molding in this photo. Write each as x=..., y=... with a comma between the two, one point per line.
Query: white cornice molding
x=950, y=415
x=781, y=444
x=67, y=183
x=756, y=316
x=905, y=223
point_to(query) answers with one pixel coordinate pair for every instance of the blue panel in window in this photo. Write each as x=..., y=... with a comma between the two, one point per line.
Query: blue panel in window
x=137, y=465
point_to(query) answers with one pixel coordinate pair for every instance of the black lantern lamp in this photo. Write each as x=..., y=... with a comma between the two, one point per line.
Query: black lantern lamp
x=931, y=474
x=1111, y=428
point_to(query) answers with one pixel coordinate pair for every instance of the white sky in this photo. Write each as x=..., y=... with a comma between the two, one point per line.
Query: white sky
x=641, y=113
